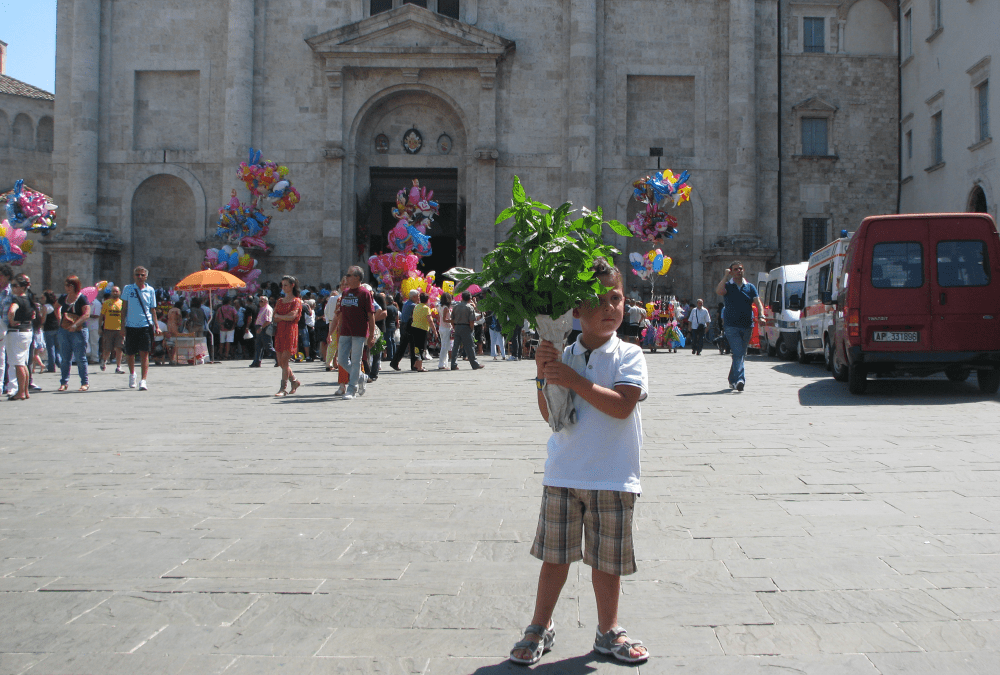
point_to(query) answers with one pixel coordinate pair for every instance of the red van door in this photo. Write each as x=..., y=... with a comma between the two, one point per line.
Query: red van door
x=965, y=291
x=894, y=312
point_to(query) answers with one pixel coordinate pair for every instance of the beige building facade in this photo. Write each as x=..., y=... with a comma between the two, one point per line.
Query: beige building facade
x=576, y=97
x=948, y=157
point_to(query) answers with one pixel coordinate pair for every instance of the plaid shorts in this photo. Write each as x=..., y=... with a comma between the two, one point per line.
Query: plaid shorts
x=605, y=518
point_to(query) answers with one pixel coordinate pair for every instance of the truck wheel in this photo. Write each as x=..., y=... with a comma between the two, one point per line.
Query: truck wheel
x=803, y=357
x=957, y=374
x=989, y=381
x=857, y=379
x=839, y=370
x=828, y=353
x=784, y=352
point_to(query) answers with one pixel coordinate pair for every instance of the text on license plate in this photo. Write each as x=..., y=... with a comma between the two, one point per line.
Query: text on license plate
x=896, y=336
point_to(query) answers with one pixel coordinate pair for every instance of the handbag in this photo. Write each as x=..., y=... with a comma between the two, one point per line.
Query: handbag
x=68, y=320
x=271, y=329
x=248, y=335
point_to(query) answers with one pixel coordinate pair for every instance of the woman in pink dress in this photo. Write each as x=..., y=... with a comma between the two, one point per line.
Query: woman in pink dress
x=286, y=337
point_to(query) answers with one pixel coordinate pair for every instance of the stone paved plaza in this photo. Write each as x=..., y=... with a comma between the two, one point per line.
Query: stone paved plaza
x=205, y=527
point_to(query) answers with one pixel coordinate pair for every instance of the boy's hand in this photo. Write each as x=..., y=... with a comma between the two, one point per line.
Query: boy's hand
x=557, y=372
x=544, y=353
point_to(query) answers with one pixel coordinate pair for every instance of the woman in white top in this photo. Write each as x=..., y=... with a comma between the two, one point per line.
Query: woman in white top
x=444, y=329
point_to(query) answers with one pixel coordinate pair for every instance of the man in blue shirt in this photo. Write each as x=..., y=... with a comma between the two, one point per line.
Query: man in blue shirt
x=738, y=296
x=405, y=317
x=138, y=305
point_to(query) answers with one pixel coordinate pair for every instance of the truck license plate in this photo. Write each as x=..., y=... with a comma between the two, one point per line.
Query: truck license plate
x=896, y=336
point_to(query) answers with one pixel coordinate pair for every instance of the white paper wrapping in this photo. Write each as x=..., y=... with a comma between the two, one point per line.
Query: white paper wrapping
x=559, y=400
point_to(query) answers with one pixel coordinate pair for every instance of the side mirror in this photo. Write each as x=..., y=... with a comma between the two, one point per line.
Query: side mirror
x=795, y=302
x=827, y=297
x=776, y=306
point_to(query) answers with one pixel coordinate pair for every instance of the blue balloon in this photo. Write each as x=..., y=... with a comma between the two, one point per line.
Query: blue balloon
x=658, y=263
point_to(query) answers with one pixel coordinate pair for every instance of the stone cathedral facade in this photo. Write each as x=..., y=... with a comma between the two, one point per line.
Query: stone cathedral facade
x=157, y=103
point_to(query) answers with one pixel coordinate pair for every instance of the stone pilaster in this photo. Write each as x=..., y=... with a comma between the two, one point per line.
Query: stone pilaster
x=336, y=248
x=482, y=235
x=236, y=130
x=581, y=141
x=742, y=118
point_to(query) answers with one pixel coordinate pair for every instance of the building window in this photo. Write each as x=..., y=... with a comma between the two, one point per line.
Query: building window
x=908, y=34
x=937, y=140
x=448, y=8
x=813, y=39
x=814, y=131
x=983, y=92
x=379, y=6
x=813, y=235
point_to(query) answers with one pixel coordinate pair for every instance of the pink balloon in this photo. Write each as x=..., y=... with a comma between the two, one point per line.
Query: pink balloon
x=15, y=236
x=89, y=292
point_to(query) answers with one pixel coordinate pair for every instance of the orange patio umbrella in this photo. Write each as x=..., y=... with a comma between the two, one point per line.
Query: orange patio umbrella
x=209, y=280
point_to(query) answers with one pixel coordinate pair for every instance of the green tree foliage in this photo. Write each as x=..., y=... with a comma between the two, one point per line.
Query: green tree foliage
x=544, y=265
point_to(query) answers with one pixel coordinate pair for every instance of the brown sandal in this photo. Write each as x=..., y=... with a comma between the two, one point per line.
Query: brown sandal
x=84, y=387
x=63, y=387
x=281, y=392
x=295, y=385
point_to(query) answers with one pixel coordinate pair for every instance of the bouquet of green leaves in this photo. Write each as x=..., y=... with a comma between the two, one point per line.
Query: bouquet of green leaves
x=541, y=272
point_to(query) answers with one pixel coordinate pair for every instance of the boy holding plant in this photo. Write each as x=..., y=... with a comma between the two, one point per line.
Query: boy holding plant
x=592, y=472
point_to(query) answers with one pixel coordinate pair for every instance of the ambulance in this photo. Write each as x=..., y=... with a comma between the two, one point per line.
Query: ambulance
x=780, y=292
x=822, y=285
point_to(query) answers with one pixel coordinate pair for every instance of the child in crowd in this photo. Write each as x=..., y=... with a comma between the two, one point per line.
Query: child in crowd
x=591, y=474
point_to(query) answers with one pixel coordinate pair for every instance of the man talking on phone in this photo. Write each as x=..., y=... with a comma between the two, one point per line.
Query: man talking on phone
x=738, y=296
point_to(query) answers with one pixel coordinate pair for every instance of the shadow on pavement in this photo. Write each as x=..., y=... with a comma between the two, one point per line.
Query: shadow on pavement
x=578, y=665
x=796, y=369
x=727, y=390
x=892, y=391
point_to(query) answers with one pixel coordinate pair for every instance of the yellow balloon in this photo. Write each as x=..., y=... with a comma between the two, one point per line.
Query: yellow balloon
x=448, y=287
x=27, y=245
x=649, y=309
x=666, y=265
x=651, y=255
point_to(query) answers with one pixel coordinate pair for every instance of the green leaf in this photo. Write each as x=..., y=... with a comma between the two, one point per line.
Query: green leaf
x=619, y=228
x=505, y=214
x=518, y=192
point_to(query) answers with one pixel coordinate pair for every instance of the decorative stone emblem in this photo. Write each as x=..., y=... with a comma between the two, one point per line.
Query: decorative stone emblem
x=381, y=144
x=444, y=144
x=412, y=141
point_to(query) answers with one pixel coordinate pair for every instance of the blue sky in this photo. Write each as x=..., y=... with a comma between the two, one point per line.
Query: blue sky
x=29, y=29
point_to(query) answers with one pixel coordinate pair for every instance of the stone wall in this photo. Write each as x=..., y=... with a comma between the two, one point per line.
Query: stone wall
x=858, y=97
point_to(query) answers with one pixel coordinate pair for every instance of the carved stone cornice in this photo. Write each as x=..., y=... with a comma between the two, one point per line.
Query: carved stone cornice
x=410, y=38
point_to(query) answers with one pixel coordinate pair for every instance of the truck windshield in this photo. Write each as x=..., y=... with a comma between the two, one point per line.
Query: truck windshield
x=794, y=288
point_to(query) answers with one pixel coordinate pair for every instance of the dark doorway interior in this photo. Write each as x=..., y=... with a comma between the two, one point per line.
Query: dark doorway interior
x=448, y=230
x=977, y=202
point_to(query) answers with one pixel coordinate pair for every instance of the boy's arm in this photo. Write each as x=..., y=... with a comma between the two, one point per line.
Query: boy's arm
x=618, y=402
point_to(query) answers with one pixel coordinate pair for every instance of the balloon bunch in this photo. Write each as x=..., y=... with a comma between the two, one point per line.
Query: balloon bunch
x=14, y=244
x=651, y=264
x=661, y=185
x=268, y=178
x=236, y=262
x=653, y=224
x=415, y=210
x=392, y=268
x=243, y=224
x=29, y=210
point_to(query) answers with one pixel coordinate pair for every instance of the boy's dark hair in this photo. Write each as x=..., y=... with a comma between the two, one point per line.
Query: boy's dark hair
x=466, y=296
x=424, y=297
x=602, y=268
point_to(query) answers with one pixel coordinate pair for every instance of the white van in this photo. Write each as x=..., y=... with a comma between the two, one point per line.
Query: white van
x=822, y=285
x=779, y=288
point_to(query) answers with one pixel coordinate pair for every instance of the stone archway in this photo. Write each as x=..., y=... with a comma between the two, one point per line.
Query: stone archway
x=441, y=164
x=163, y=212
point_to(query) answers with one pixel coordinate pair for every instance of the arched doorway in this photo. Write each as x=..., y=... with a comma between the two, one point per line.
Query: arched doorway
x=438, y=159
x=163, y=228
x=977, y=201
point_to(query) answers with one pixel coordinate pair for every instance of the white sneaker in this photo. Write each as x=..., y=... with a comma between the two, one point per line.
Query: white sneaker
x=348, y=397
x=131, y=380
x=361, y=386
x=142, y=385
x=341, y=391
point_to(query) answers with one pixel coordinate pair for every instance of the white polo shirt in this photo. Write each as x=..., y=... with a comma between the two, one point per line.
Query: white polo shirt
x=599, y=452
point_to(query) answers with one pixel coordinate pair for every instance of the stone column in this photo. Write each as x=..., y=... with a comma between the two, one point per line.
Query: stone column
x=336, y=248
x=742, y=118
x=582, y=104
x=238, y=113
x=81, y=217
x=481, y=234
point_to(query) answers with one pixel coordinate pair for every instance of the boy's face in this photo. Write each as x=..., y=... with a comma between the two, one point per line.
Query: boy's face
x=601, y=320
